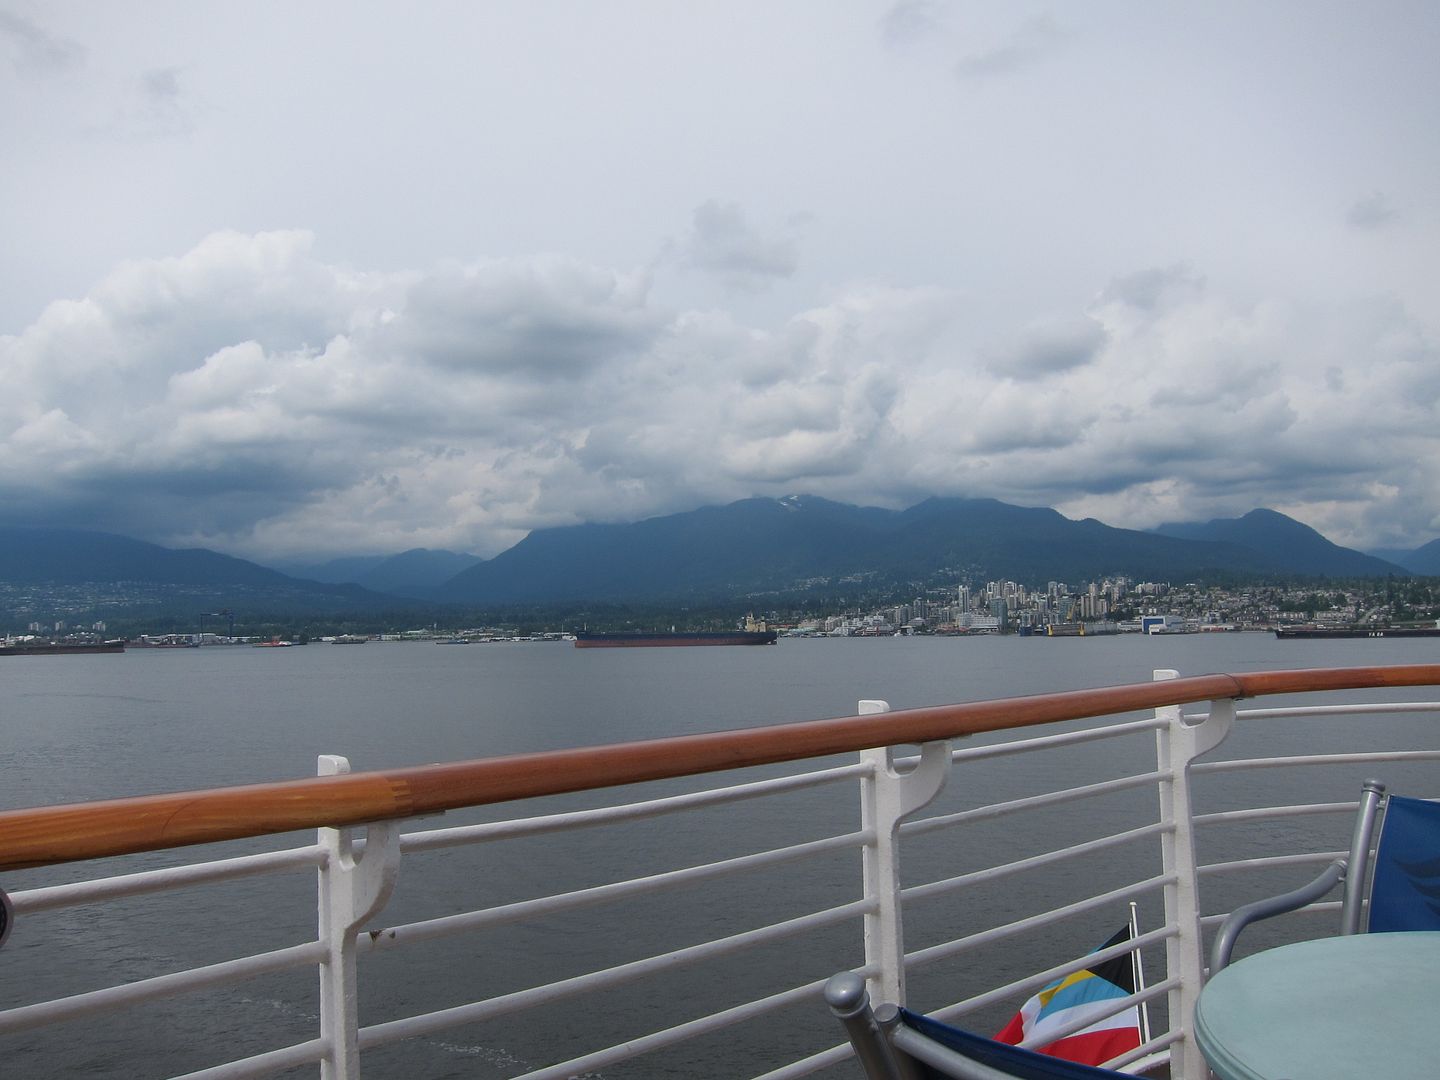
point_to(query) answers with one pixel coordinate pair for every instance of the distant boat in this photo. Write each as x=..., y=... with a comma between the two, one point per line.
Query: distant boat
x=60, y=648
x=754, y=633
x=1288, y=632
x=638, y=639
x=274, y=644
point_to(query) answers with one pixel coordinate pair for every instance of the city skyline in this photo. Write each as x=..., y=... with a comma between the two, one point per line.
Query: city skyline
x=359, y=279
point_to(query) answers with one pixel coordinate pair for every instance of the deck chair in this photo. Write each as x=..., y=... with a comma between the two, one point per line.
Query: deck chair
x=1404, y=876
x=896, y=1044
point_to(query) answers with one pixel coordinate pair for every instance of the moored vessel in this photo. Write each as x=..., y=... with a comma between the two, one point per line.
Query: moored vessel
x=754, y=632
x=641, y=639
x=60, y=648
x=1313, y=632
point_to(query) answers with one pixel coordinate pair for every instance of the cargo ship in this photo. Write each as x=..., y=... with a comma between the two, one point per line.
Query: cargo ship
x=754, y=633
x=1285, y=632
x=59, y=648
x=660, y=638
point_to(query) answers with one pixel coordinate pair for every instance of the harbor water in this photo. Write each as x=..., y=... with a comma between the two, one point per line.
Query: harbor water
x=76, y=728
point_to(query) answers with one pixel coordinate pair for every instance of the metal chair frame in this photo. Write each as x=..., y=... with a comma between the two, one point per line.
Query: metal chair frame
x=889, y=1049
x=1353, y=871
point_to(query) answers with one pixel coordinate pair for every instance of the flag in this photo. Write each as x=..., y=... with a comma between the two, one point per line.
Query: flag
x=1076, y=996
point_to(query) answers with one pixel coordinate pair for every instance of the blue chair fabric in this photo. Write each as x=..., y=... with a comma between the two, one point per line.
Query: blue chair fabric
x=1004, y=1058
x=1405, y=888
x=892, y=1043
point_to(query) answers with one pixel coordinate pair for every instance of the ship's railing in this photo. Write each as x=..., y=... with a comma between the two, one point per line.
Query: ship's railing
x=957, y=935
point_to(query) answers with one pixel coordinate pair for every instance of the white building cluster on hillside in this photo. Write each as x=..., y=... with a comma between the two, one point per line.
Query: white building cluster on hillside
x=1116, y=605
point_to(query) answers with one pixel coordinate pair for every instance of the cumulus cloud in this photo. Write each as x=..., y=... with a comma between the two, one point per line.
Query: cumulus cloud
x=1023, y=278
x=546, y=317
x=1048, y=348
x=1199, y=406
x=1151, y=289
x=251, y=396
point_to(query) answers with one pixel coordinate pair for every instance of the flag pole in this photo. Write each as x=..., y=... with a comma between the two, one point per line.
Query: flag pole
x=1138, y=969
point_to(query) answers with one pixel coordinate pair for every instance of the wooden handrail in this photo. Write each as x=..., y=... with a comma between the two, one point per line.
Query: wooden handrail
x=43, y=836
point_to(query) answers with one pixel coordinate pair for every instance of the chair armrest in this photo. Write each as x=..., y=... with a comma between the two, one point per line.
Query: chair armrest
x=1241, y=917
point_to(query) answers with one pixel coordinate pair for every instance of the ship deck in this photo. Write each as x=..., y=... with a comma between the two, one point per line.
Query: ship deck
x=1164, y=813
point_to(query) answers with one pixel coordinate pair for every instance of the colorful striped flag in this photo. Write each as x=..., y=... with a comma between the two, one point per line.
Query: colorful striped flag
x=1074, y=997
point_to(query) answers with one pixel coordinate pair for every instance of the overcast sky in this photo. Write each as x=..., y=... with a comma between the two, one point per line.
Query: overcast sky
x=308, y=279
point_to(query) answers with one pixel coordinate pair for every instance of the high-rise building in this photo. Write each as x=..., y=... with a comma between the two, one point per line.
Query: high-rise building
x=1000, y=610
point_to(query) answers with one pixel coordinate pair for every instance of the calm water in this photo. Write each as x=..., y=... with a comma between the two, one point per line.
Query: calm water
x=78, y=728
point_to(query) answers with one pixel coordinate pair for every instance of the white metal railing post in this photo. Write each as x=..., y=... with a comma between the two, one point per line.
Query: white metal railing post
x=351, y=891
x=886, y=799
x=1177, y=745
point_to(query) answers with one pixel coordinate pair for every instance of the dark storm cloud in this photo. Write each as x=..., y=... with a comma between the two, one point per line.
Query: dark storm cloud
x=217, y=495
x=458, y=407
x=543, y=319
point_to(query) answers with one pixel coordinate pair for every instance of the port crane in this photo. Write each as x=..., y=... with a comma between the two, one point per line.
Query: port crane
x=225, y=614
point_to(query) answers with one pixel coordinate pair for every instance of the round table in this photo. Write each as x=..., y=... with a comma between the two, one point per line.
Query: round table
x=1341, y=1008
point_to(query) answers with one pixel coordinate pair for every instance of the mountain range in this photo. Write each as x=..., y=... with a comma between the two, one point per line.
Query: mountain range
x=795, y=547
x=98, y=573
x=807, y=545
x=1424, y=560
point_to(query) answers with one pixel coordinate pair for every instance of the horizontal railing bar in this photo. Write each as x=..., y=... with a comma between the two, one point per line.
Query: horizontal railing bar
x=1314, y=759
x=658, y=1040
x=115, y=997
x=1043, y=978
x=1270, y=862
x=825, y=1058
x=1265, y=813
x=812, y=1064
x=1033, y=802
x=306, y=1053
x=174, y=877
x=599, y=894
x=609, y=815
x=1004, y=870
x=1338, y=710
x=48, y=835
x=1152, y=1048
x=439, y=1020
x=1051, y=742
x=1124, y=893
